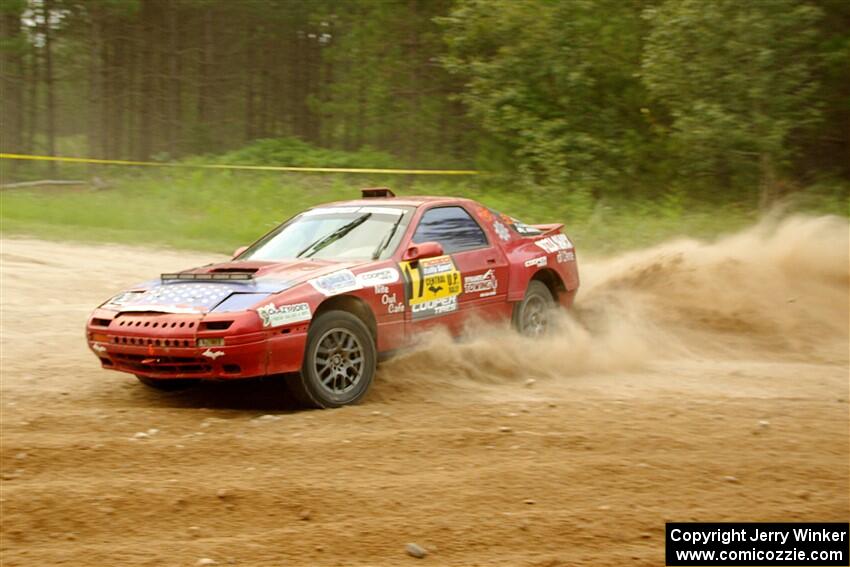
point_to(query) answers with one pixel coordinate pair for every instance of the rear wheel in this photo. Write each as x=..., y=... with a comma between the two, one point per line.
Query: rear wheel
x=339, y=362
x=167, y=384
x=533, y=315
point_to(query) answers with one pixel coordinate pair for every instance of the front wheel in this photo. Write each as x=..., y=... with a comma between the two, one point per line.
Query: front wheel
x=533, y=315
x=167, y=384
x=339, y=362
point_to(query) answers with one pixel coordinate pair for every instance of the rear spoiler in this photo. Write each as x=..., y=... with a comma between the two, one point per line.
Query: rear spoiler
x=548, y=228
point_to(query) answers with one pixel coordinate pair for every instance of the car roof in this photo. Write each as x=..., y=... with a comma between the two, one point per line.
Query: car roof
x=413, y=201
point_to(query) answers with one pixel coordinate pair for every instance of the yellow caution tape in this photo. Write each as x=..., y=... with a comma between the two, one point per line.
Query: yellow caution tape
x=249, y=167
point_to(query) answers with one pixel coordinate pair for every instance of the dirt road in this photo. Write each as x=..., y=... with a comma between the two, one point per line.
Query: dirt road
x=698, y=382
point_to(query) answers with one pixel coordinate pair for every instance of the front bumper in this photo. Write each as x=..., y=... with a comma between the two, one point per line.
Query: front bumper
x=162, y=345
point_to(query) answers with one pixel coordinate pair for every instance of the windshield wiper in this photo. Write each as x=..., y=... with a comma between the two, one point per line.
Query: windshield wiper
x=387, y=239
x=333, y=237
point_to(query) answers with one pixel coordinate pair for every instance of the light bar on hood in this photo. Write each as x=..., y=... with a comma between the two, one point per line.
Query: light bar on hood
x=208, y=277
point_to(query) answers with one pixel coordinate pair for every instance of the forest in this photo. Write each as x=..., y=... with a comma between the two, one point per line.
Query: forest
x=686, y=100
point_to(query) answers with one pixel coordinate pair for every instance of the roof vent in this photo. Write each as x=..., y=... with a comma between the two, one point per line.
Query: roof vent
x=376, y=192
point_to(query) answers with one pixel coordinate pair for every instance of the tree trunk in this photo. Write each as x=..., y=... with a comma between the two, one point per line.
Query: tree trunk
x=50, y=98
x=11, y=83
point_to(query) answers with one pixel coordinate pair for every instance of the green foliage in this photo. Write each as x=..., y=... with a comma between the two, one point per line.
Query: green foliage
x=294, y=152
x=221, y=210
x=556, y=82
x=737, y=78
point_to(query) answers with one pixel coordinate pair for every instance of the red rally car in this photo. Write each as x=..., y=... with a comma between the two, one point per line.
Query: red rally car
x=321, y=296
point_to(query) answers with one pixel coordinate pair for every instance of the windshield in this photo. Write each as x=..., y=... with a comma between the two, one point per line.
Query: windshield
x=335, y=233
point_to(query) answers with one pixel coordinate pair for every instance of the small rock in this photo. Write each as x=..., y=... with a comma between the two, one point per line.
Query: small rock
x=304, y=515
x=414, y=550
x=804, y=495
x=206, y=561
x=268, y=417
x=195, y=531
x=764, y=424
x=505, y=429
x=645, y=535
x=320, y=548
x=530, y=382
x=153, y=431
x=732, y=479
x=376, y=412
x=524, y=524
x=141, y=435
x=222, y=493
x=530, y=501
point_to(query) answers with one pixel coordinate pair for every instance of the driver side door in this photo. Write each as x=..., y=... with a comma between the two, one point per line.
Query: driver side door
x=435, y=289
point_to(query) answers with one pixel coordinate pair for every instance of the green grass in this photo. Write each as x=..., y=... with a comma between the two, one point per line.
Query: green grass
x=221, y=210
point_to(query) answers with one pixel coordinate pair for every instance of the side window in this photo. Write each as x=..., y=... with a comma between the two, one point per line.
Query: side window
x=452, y=227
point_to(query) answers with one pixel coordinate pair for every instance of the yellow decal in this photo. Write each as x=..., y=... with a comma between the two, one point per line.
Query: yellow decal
x=430, y=280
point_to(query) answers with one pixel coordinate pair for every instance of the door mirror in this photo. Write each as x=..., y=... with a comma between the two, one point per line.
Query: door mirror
x=239, y=251
x=424, y=250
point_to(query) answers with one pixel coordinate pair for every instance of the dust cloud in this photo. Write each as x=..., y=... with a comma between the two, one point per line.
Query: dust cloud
x=777, y=290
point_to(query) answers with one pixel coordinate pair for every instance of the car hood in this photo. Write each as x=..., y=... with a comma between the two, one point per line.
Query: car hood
x=222, y=287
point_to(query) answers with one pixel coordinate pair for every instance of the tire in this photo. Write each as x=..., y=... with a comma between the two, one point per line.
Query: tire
x=167, y=384
x=533, y=315
x=339, y=362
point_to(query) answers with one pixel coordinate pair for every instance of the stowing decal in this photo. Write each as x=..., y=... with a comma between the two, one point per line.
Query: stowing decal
x=432, y=286
x=335, y=283
x=484, y=284
x=285, y=314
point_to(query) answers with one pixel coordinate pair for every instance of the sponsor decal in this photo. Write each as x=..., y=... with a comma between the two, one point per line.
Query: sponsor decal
x=378, y=277
x=349, y=210
x=438, y=265
x=336, y=282
x=213, y=354
x=329, y=211
x=565, y=256
x=382, y=211
x=123, y=298
x=393, y=306
x=283, y=315
x=554, y=243
x=502, y=231
x=485, y=214
x=539, y=262
x=435, y=307
x=484, y=284
x=428, y=282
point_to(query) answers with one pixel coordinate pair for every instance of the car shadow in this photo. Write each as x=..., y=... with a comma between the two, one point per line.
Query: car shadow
x=251, y=394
